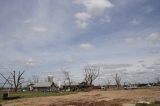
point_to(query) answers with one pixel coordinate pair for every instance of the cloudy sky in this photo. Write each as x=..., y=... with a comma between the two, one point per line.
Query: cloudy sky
x=48, y=36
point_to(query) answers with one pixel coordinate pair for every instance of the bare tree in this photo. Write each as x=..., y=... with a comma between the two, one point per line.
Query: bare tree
x=117, y=80
x=17, y=79
x=35, y=78
x=67, y=77
x=91, y=74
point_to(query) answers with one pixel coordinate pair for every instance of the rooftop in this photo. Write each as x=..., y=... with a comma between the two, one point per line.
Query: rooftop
x=43, y=84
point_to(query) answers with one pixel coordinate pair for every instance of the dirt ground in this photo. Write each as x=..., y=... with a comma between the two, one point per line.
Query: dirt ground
x=92, y=98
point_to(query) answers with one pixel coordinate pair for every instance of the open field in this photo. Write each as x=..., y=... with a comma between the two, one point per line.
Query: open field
x=34, y=94
x=92, y=98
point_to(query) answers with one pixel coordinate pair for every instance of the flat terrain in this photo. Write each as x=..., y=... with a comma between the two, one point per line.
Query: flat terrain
x=92, y=98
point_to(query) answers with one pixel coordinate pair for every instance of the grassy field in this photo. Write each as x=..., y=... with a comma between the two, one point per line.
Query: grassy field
x=137, y=97
x=33, y=94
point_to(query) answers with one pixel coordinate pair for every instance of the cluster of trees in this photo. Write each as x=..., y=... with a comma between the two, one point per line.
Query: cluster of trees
x=91, y=73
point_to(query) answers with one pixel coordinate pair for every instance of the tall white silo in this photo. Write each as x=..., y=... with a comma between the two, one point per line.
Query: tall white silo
x=50, y=78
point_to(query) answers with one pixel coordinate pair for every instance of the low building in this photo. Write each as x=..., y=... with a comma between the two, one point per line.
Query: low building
x=45, y=86
x=30, y=87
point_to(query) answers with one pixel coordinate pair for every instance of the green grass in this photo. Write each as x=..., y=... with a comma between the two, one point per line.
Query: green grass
x=34, y=94
x=156, y=103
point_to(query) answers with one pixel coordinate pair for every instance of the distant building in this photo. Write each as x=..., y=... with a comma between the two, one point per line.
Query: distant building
x=45, y=86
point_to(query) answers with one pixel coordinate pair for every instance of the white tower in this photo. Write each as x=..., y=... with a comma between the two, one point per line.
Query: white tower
x=50, y=78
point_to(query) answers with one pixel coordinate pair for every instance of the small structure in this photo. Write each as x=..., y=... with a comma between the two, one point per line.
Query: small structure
x=76, y=86
x=45, y=86
x=30, y=87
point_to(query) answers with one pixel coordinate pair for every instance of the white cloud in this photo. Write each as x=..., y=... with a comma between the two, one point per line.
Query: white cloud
x=82, y=24
x=150, y=43
x=20, y=64
x=86, y=46
x=106, y=19
x=130, y=69
x=32, y=63
x=93, y=8
x=69, y=60
x=154, y=37
x=115, y=66
x=28, y=21
x=129, y=40
x=133, y=40
x=39, y=29
x=149, y=9
x=82, y=18
x=135, y=22
x=28, y=62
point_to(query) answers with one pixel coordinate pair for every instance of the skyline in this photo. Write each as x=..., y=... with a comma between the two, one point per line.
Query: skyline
x=48, y=36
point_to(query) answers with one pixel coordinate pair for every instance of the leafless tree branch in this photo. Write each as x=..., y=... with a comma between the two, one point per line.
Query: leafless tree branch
x=17, y=79
x=91, y=74
x=117, y=80
x=67, y=77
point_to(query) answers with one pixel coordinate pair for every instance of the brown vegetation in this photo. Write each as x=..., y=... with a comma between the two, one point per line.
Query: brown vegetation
x=92, y=98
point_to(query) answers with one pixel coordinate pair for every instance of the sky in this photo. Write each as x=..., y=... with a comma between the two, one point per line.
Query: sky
x=48, y=36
